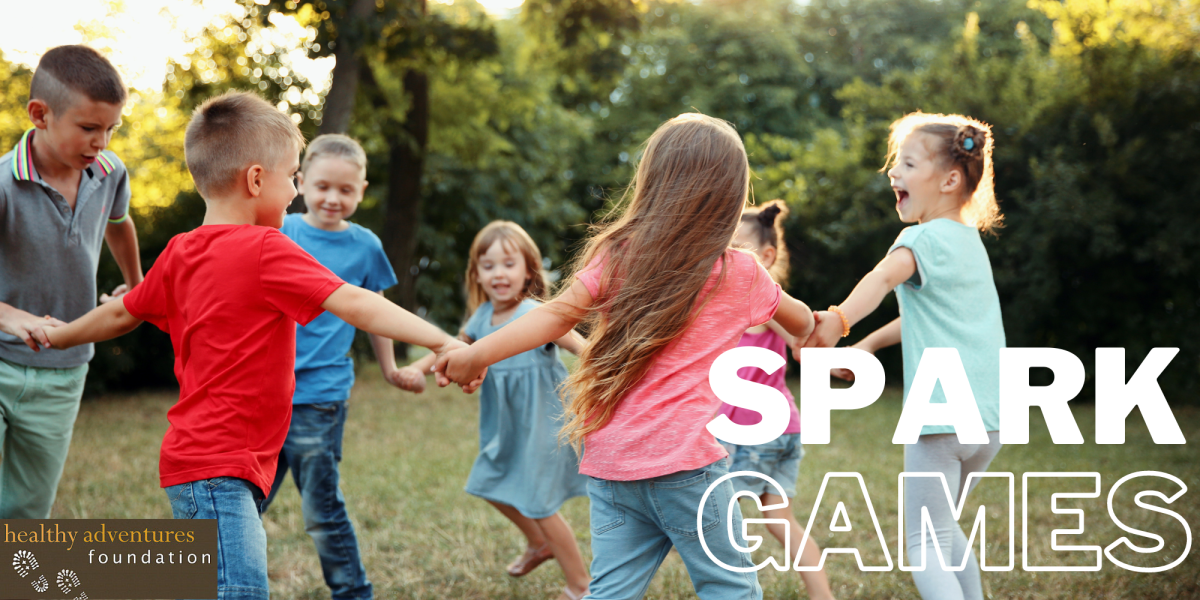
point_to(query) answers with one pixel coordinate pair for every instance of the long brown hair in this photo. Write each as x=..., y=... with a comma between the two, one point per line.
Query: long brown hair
x=514, y=238
x=675, y=220
x=953, y=151
x=766, y=222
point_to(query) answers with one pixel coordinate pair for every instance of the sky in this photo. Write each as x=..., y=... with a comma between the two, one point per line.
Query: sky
x=146, y=32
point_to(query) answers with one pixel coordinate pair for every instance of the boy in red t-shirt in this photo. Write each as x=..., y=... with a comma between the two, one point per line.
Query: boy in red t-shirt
x=229, y=293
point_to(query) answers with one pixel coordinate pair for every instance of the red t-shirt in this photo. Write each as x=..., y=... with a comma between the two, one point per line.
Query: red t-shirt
x=230, y=296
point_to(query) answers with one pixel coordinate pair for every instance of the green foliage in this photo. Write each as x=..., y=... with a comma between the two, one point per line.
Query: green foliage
x=1095, y=106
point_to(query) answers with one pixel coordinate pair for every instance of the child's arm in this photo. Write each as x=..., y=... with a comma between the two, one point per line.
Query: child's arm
x=547, y=323
x=794, y=316
x=105, y=322
x=385, y=354
x=375, y=314
x=888, y=335
x=123, y=244
x=893, y=270
x=573, y=342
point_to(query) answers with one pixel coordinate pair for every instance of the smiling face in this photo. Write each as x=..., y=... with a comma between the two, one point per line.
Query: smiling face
x=75, y=137
x=503, y=273
x=277, y=192
x=332, y=188
x=918, y=180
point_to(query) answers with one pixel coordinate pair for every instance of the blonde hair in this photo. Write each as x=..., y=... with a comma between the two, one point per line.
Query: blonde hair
x=951, y=134
x=767, y=223
x=335, y=145
x=513, y=237
x=233, y=131
x=678, y=217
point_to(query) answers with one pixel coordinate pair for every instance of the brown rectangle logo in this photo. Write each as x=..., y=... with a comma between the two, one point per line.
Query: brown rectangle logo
x=82, y=559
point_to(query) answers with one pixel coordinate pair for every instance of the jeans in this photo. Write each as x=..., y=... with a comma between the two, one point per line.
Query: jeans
x=635, y=524
x=241, y=539
x=38, y=407
x=778, y=459
x=312, y=451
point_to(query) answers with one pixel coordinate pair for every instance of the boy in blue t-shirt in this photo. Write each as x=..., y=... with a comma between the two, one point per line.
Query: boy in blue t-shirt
x=332, y=180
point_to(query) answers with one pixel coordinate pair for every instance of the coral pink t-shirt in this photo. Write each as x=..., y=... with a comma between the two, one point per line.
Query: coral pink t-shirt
x=659, y=426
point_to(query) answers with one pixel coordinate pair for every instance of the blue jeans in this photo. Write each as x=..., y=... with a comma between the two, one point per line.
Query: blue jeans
x=778, y=459
x=241, y=539
x=312, y=451
x=635, y=524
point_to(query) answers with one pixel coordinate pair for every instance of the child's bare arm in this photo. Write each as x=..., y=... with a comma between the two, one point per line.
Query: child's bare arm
x=104, y=322
x=794, y=316
x=893, y=270
x=542, y=325
x=385, y=353
x=123, y=244
x=424, y=363
x=888, y=335
x=375, y=314
x=788, y=338
x=573, y=342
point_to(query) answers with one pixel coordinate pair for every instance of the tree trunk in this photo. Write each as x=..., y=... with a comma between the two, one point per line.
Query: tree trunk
x=403, y=210
x=339, y=101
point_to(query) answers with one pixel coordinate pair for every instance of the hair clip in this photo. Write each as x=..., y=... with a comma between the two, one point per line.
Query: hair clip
x=969, y=143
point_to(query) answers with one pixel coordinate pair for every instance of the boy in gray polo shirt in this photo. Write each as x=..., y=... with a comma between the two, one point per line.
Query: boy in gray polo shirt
x=61, y=196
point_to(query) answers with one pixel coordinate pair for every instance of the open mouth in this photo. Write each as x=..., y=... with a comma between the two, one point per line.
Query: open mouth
x=901, y=195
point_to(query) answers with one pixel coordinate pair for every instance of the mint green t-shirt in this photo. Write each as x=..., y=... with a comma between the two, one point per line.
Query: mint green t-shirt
x=951, y=302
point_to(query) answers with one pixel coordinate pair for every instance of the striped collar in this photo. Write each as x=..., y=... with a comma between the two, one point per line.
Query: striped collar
x=22, y=164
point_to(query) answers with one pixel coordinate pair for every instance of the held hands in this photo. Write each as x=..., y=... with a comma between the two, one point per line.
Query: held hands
x=459, y=366
x=407, y=379
x=29, y=328
x=468, y=376
x=827, y=332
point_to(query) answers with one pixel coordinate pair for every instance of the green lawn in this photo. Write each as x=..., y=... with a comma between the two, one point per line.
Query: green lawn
x=407, y=457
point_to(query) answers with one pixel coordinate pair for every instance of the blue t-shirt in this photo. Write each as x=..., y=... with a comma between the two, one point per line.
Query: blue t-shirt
x=324, y=370
x=951, y=302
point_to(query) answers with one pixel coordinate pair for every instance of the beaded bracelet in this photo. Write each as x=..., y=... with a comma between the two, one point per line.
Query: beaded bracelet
x=845, y=321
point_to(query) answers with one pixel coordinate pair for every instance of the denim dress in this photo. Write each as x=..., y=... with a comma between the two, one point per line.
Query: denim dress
x=520, y=461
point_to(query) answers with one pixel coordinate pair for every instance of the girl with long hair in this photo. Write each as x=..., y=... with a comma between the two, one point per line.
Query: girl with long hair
x=665, y=295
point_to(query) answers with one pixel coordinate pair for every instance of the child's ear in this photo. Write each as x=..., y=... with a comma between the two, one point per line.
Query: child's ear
x=768, y=257
x=952, y=181
x=299, y=178
x=38, y=111
x=254, y=180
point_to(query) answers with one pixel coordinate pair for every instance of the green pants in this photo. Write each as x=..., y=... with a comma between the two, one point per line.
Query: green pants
x=37, y=415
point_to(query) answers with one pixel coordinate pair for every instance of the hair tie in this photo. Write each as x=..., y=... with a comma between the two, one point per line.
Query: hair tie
x=969, y=143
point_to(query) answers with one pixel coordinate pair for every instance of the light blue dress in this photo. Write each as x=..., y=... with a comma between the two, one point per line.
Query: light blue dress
x=520, y=461
x=951, y=302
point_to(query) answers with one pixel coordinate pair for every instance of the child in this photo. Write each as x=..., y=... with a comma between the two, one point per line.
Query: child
x=62, y=195
x=332, y=180
x=229, y=293
x=521, y=470
x=761, y=232
x=942, y=175
x=667, y=295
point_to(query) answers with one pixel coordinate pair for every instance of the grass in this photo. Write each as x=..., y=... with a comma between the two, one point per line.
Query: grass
x=407, y=457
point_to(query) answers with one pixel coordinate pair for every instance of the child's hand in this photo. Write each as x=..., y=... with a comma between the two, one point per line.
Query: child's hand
x=827, y=333
x=29, y=328
x=458, y=366
x=407, y=379
x=117, y=293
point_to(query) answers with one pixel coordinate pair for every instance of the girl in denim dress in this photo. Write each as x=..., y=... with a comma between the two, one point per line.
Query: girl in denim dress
x=521, y=468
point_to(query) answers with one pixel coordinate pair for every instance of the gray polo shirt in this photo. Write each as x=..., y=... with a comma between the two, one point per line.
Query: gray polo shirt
x=49, y=253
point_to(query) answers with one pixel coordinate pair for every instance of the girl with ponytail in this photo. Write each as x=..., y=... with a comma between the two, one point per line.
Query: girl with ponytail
x=941, y=172
x=761, y=232
x=665, y=295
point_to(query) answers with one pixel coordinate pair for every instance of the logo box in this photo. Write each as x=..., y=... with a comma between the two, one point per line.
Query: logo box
x=92, y=559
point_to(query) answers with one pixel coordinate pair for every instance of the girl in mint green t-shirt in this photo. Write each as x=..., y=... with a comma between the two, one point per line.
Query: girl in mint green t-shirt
x=941, y=172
